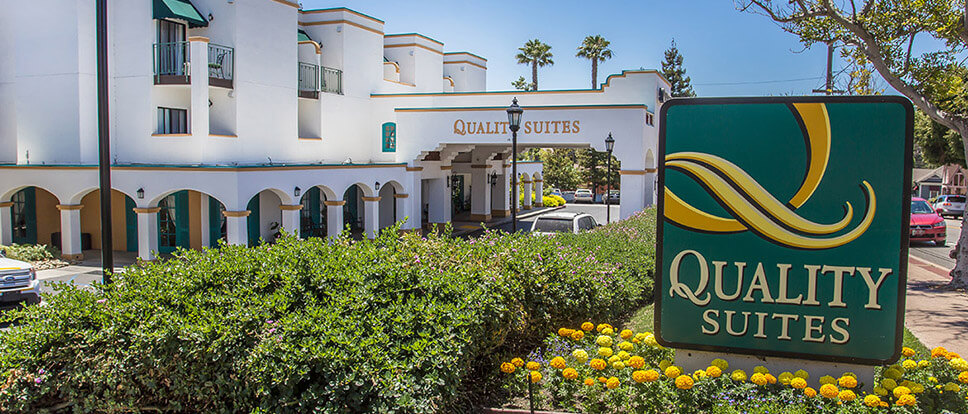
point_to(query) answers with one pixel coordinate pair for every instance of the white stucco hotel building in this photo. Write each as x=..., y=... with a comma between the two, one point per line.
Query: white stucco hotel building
x=236, y=118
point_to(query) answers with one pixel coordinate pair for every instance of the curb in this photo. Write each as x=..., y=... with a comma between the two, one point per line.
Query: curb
x=930, y=267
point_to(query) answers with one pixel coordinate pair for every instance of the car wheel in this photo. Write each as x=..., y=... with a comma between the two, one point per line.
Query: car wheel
x=939, y=242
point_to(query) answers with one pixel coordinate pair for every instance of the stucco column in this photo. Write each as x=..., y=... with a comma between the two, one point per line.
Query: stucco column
x=500, y=196
x=414, y=211
x=651, y=177
x=334, y=217
x=371, y=216
x=402, y=203
x=439, y=205
x=237, y=227
x=290, y=218
x=526, y=200
x=198, y=47
x=70, y=215
x=6, y=223
x=147, y=232
x=538, y=192
x=480, y=194
x=633, y=192
x=205, y=223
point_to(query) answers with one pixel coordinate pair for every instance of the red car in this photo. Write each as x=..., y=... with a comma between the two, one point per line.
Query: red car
x=926, y=224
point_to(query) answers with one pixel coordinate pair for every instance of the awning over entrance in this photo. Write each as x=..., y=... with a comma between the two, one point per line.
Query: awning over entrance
x=179, y=9
x=303, y=36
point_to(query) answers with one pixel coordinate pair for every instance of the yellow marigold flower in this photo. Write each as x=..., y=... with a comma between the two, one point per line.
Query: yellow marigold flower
x=612, y=383
x=577, y=335
x=533, y=366
x=846, y=395
x=893, y=374
x=809, y=392
x=613, y=359
x=847, y=382
x=564, y=332
x=626, y=346
x=938, y=352
x=663, y=364
x=587, y=326
x=507, y=368
x=785, y=378
x=600, y=327
x=952, y=387
x=535, y=376
x=589, y=381
x=802, y=374
x=916, y=388
x=605, y=352
x=758, y=379
x=518, y=362
x=623, y=355
x=558, y=363
x=951, y=355
x=597, y=364
x=901, y=390
x=849, y=374
x=770, y=379
x=699, y=374
x=923, y=363
x=908, y=352
x=959, y=364
x=906, y=399
x=604, y=340
x=636, y=362
x=638, y=376
x=888, y=384
x=909, y=364
x=720, y=363
x=651, y=375
x=650, y=340
x=580, y=355
x=738, y=375
x=673, y=372
x=684, y=382
x=608, y=331
x=827, y=379
x=798, y=383
x=569, y=373
x=641, y=335
x=713, y=371
x=761, y=369
x=872, y=400
x=932, y=379
x=602, y=379
x=881, y=391
x=618, y=365
x=829, y=391
x=963, y=377
x=625, y=334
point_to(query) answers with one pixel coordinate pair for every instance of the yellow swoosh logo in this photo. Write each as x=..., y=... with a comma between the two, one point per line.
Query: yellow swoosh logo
x=753, y=207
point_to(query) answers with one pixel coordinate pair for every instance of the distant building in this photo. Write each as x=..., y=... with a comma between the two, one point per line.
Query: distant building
x=932, y=182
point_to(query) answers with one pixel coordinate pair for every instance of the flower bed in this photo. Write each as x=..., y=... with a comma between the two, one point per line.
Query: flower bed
x=40, y=256
x=592, y=369
x=398, y=324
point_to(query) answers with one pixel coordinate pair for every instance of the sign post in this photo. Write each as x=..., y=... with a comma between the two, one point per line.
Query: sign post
x=784, y=226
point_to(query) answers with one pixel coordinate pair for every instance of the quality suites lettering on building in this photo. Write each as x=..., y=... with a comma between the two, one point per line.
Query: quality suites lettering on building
x=465, y=127
x=799, y=255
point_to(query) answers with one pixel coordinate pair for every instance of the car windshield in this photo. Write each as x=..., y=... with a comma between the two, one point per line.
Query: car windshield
x=956, y=199
x=920, y=207
x=553, y=225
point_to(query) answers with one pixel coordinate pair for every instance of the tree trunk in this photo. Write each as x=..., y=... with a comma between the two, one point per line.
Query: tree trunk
x=594, y=73
x=959, y=275
x=534, y=75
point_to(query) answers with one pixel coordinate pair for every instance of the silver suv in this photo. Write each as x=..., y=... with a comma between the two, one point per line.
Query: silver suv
x=550, y=223
x=18, y=282
x=950, y=205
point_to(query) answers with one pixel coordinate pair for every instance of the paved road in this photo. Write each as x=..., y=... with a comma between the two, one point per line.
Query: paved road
x=939, y=254
x=596, y=210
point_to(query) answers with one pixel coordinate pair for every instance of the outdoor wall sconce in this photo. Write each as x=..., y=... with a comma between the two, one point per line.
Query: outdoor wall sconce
x=141, y=194
x=448, y=181
x=296, y=191
x=376, y=185
x=493, y=179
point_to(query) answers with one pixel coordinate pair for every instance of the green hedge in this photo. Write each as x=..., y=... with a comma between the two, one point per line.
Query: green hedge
x=30, y=252
x=398, y=324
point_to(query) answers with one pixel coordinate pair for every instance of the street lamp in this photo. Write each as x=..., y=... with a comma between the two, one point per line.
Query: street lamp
x=514, y=123
x=609, y=146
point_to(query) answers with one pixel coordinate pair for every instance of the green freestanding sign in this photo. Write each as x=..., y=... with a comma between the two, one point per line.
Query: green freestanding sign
x=784, y=226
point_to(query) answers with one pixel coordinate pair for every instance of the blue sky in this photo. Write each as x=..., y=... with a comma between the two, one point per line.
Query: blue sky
x=727, y=53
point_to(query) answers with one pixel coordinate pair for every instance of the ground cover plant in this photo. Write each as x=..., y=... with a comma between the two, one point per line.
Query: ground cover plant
x=599, y=369
x=397, y=324
x=40, y=255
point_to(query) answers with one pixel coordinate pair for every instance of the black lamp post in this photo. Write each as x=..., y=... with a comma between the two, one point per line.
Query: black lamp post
x=514, y=123
x=609, y=146
x=104, y=147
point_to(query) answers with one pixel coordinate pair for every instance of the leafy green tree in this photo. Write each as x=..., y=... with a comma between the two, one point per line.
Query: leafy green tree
x=522, y=84
x=939, y=145
x=594, y=48
x=535, y=53
x=560, y=169
x=594, y=168
x=884, y=32
x=675, y=73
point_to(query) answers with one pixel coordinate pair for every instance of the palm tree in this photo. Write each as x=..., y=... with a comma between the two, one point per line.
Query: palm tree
x=537, y=54
x=596, y=49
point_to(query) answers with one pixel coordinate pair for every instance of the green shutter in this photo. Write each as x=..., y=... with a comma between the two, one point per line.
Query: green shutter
x=389, y=137
x=216, y=222
x=351, y=211
x=182, y=226
x=253, y=221
x=181, y=10
x=25, y=212
x=303, y=36
x=130, y=224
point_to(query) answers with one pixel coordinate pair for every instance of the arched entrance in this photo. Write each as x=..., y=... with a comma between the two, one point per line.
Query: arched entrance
x=353, y=211
x=312, y=216
x=191, y=220
x=124, y=221
x=34, y=217
x=265, y=217
x=390, y=208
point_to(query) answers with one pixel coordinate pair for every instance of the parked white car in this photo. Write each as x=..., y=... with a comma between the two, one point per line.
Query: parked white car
x=18, y=282
x=558, y=222
x=950, y=205
x=584, y=196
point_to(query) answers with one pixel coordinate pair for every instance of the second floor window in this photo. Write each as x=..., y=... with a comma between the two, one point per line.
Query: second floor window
x=172, y=121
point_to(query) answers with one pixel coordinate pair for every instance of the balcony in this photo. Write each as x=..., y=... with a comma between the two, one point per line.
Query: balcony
x=172, y=64
x=314, y=79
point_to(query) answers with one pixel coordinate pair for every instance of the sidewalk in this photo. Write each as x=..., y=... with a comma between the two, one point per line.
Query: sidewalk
x=938, y=317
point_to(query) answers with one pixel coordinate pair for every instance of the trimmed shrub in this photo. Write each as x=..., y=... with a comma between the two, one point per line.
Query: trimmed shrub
x=30, y=252
x=396, y=324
